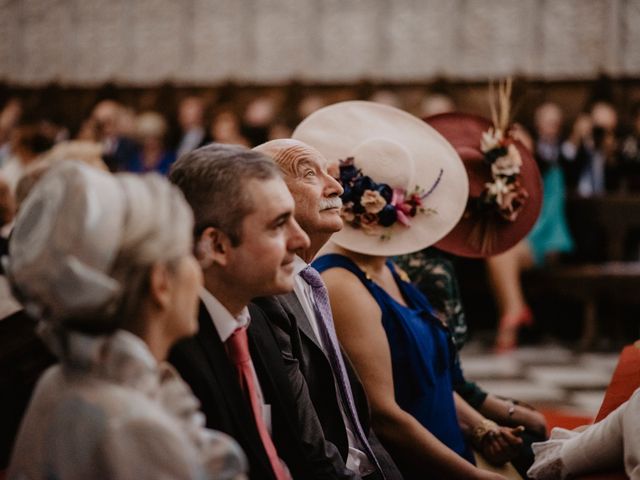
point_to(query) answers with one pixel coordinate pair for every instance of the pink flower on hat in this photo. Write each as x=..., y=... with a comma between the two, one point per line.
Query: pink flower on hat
x=403, y=210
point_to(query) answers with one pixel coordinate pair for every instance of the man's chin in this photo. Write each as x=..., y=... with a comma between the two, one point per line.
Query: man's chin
x=337, y=225
x=285, y=285
x=332, y=221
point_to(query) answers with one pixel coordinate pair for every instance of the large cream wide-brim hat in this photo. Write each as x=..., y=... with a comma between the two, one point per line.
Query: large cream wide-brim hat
x=396, y=148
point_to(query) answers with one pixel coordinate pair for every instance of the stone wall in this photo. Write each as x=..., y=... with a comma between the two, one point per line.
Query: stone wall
x=208, y=42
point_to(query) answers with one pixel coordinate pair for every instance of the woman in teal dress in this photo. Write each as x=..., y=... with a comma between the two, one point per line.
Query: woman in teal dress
x=550, y=234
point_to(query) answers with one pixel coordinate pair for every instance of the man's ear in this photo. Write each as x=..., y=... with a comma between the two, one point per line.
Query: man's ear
x=160, y=285
x=212, y=246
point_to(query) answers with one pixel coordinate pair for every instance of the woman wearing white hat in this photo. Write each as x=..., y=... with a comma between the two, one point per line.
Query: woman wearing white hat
x=405, y=188
x=105, y=263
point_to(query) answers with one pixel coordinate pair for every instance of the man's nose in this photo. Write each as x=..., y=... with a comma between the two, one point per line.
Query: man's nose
x=297, y=237
x=332, y=186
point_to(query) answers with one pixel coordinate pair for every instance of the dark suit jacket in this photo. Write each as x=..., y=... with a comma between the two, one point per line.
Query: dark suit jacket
x=294, y=333
x=124, y=153
x=203, y=363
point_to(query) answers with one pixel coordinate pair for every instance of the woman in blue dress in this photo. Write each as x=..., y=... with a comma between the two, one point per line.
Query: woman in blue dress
x=404, y=189
x=407, y=364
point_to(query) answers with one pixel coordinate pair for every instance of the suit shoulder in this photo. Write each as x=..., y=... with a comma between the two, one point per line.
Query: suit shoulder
x=273, y=310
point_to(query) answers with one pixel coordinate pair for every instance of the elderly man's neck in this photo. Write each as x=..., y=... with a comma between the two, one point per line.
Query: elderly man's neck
x=318, y=240
x=231, y=297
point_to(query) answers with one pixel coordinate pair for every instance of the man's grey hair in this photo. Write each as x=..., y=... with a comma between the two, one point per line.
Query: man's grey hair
x=214, y=181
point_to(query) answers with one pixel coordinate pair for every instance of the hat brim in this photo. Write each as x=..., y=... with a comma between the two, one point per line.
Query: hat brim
x=464, y=132
x=336, y=130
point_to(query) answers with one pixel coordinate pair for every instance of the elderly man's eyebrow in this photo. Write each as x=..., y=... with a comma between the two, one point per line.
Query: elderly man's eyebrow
x=305, y=162
x=292, y=159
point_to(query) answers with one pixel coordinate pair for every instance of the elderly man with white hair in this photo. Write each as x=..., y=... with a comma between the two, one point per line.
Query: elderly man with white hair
x=335, y=389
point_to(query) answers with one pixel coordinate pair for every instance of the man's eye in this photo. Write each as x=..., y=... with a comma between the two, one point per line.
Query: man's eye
x=309, y=173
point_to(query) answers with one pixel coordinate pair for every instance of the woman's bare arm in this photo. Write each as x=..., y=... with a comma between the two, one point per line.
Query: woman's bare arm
x=358, y=323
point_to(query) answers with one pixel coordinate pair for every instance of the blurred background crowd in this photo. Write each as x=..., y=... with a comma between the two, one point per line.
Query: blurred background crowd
x=596, y=130
x=585, y=135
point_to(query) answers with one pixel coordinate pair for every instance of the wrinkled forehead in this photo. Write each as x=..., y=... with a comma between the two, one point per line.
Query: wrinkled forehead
x=294, y=158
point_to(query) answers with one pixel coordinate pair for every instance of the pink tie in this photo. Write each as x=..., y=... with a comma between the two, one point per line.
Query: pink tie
x=238, y=350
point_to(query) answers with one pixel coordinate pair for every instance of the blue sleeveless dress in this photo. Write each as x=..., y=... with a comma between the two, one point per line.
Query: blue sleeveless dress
x=422, y=355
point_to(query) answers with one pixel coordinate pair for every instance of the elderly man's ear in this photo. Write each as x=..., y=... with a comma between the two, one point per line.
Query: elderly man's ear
x=212, y=246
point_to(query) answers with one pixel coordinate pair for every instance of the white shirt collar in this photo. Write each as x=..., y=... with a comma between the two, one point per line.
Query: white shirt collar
x=224, y=322
x=298, y=264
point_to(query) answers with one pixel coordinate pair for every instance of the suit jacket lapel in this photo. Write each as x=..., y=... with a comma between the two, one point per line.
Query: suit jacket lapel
x=266, y=360
x=290, y=300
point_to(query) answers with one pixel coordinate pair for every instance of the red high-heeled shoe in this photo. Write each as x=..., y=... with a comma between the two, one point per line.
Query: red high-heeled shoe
x=508, y=327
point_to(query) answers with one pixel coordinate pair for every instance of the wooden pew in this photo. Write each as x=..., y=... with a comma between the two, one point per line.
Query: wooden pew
x=603, y=268
x=617, y=282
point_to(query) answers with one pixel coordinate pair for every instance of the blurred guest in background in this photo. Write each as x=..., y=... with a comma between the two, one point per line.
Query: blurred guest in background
x=630, y=150
x=550, y=235
x=386, y=97
x=7, y=211
x=191, y=120
x=9, y=118
x=84, y=151
x=279, y=130
x=27, y=144
x=591, y=149
x=309, y=104
x=225, y=127
x=258, y=116
x=152, y=155
x=630, y=153
x=106, y=126
x=53, y=128
x=435, y=104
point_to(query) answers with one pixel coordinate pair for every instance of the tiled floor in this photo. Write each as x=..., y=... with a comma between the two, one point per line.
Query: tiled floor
x=547, y=376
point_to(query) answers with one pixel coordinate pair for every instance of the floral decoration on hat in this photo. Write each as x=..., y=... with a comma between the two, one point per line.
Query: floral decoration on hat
x=505, y=195
x=374, y=207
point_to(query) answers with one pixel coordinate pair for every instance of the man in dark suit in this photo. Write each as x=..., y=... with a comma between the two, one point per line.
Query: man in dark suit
x=245, y=239
x=335, y=390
